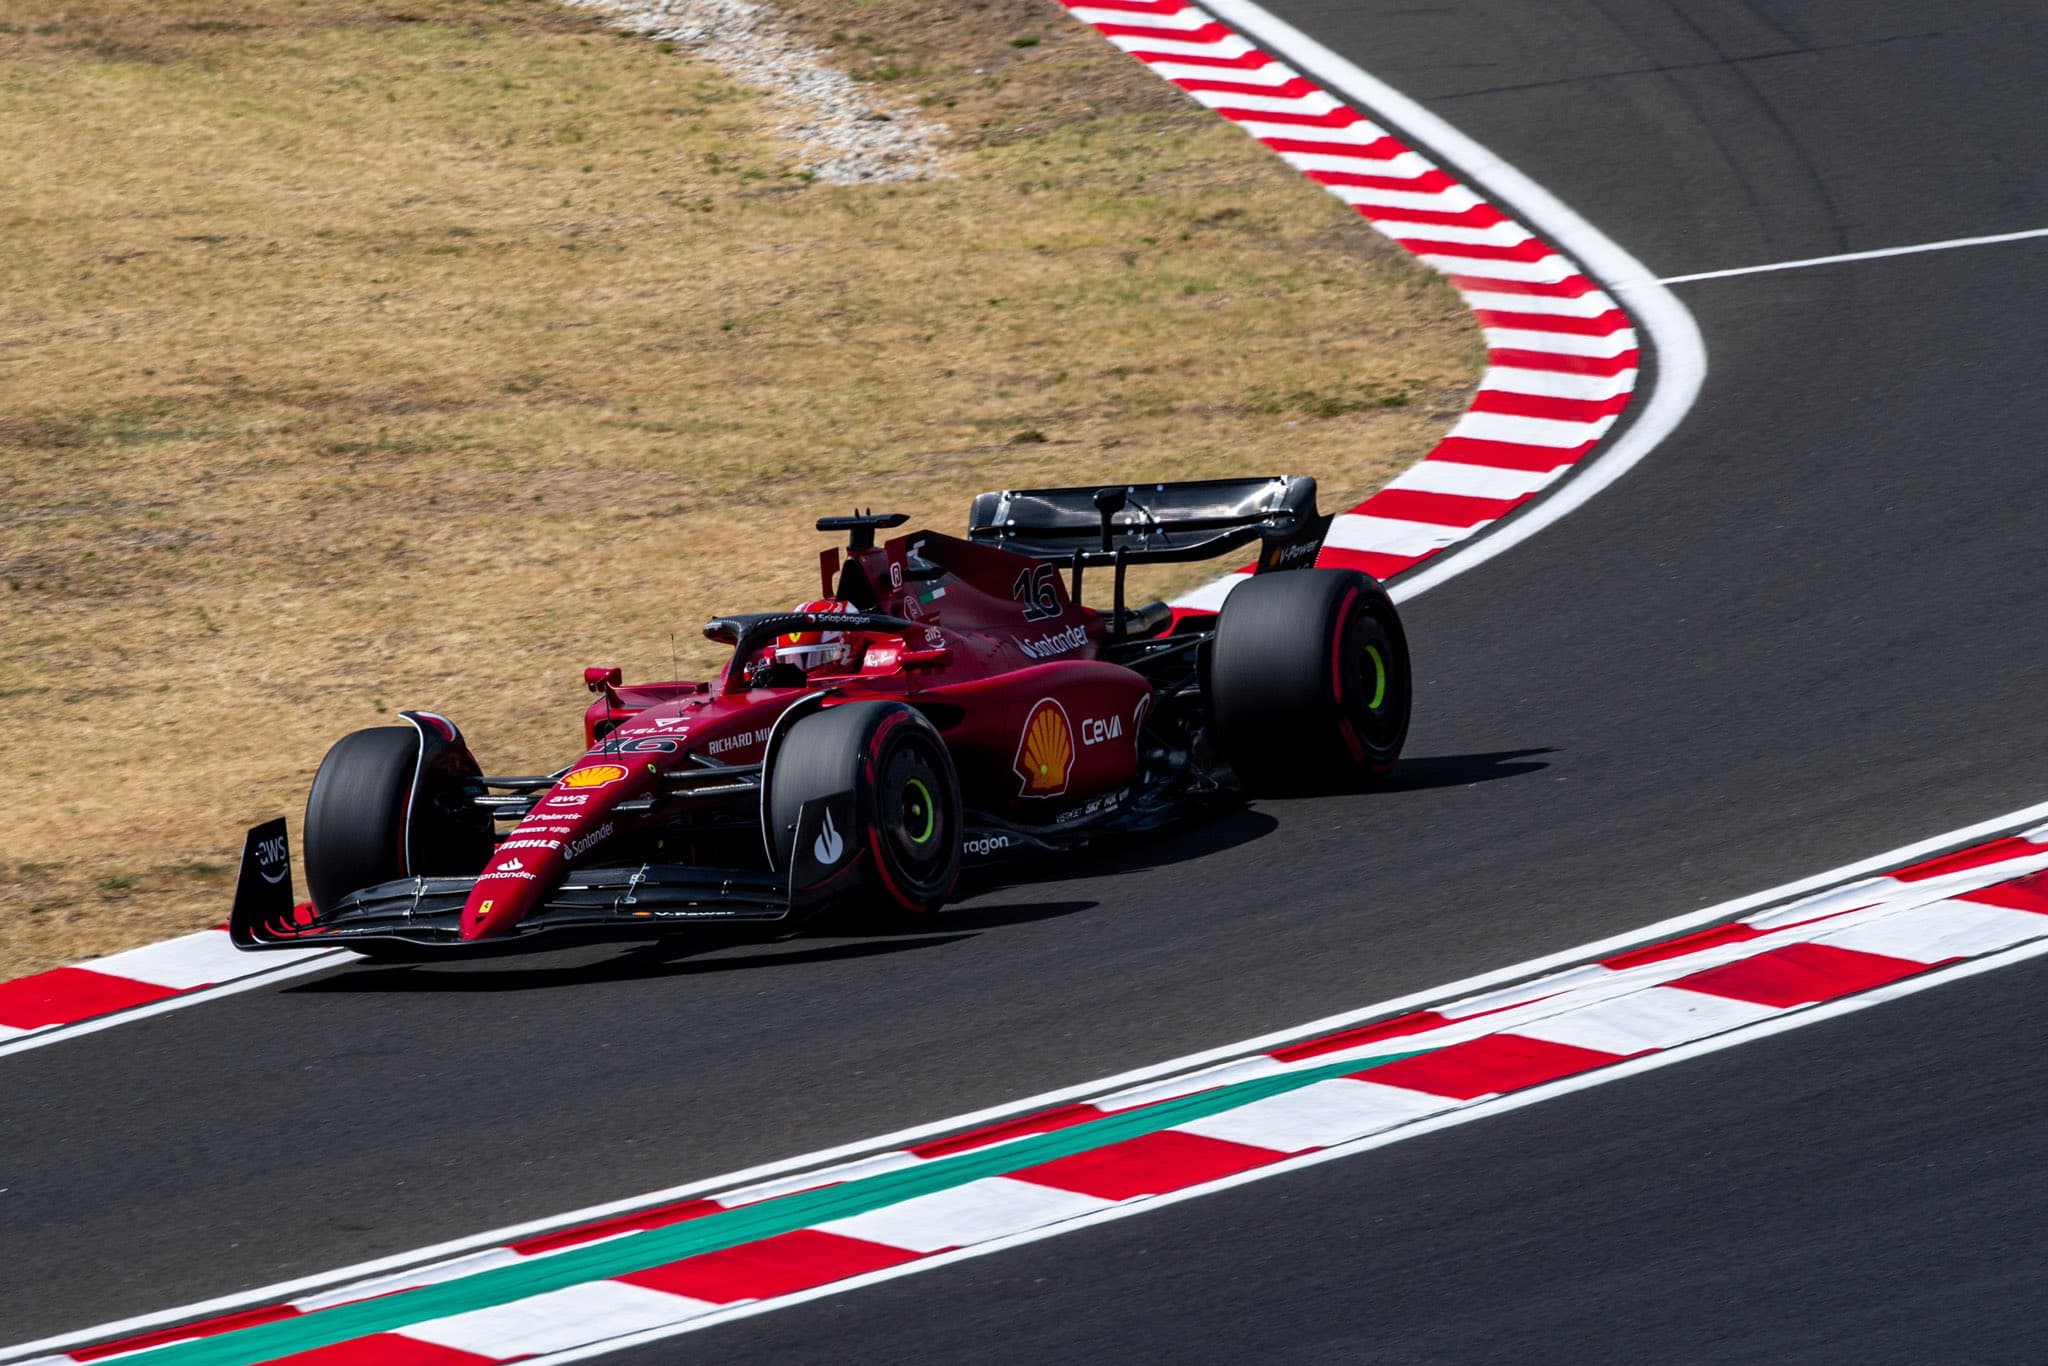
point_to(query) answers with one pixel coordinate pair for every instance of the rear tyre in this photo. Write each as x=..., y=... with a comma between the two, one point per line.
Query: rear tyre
x=364, y=824
x=1309, y=683
x=906, y=804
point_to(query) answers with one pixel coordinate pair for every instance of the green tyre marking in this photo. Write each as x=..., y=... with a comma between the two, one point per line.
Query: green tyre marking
x=716, y=1232
x=1379, y=674
x=931, y=813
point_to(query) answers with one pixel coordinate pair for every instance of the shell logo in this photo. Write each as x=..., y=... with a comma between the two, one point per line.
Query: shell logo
x=1045, y=754
x=597, y=775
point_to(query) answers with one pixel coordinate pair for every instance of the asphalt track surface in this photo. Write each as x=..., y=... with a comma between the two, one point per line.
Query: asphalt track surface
x=1810, y=626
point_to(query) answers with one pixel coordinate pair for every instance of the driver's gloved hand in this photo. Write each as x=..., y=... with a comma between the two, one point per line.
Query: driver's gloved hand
x=773, y=673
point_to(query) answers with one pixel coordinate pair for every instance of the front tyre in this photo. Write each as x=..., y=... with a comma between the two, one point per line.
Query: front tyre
x=906, y=802
x=390, y=803
x=1309, y=683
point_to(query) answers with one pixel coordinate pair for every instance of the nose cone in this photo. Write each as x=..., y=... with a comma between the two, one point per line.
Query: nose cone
x=529, y=864
x=515, y=882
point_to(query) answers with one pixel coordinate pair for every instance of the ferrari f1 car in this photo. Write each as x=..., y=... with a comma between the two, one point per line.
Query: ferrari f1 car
x=948, y=702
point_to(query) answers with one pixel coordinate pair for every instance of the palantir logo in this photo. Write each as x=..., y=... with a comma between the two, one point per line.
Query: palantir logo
x=828, y=846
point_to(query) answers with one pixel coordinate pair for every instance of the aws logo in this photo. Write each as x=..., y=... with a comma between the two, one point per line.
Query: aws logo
x=1045, y=753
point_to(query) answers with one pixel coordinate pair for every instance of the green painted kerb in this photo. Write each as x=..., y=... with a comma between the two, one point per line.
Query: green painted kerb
x=731, y=1228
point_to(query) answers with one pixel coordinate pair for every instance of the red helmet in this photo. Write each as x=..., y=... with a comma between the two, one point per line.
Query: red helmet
x=817, y=651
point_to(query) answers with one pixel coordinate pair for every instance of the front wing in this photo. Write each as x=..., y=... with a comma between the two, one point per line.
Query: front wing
x=618, y=903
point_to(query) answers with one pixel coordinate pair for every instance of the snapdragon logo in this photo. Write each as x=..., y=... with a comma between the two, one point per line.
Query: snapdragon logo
x=984, y=845
x=1058, y=643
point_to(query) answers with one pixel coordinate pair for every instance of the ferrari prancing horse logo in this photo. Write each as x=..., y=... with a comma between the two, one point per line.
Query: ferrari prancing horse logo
x=1045, y=753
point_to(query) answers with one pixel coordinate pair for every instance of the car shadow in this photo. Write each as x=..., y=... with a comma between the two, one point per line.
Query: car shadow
x=1202, y=833
x=1228, y=825
x=826, y=940
x=1206, y=833
x=665, y=958
x=997, y=917
x=957, y=918
x=1461, y=770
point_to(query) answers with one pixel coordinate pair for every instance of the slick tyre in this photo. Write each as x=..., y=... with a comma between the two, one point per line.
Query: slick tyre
x=1309, y=683
x=906, y=802
x=366, y=825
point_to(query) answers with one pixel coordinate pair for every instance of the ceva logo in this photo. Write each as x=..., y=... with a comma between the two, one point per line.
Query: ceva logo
x=828, y=846
x=1094, y=732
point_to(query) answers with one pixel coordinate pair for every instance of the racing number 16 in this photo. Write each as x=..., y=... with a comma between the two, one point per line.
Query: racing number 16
x=1034, y=588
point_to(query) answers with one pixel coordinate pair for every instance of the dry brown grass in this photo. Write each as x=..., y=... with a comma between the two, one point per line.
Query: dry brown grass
x=366, y=356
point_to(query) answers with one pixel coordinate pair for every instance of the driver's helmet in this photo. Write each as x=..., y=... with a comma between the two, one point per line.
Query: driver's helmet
x=817, y=651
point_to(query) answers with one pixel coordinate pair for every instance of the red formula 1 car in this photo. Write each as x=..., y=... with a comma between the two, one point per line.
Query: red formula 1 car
x=948, y=702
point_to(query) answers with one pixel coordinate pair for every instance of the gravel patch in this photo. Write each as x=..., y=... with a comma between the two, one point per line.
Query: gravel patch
x=847, y=139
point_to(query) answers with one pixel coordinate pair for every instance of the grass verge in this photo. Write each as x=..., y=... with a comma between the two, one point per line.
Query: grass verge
x=363, y=356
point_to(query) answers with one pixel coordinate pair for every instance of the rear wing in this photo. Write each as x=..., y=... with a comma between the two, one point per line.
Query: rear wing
x=1156, y=523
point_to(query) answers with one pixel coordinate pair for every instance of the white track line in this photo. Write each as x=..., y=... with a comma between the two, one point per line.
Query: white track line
x=1777, y=1024
x=1950, y=245
x=59, y=1033
x=1681, y=357
x=903, y=1138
